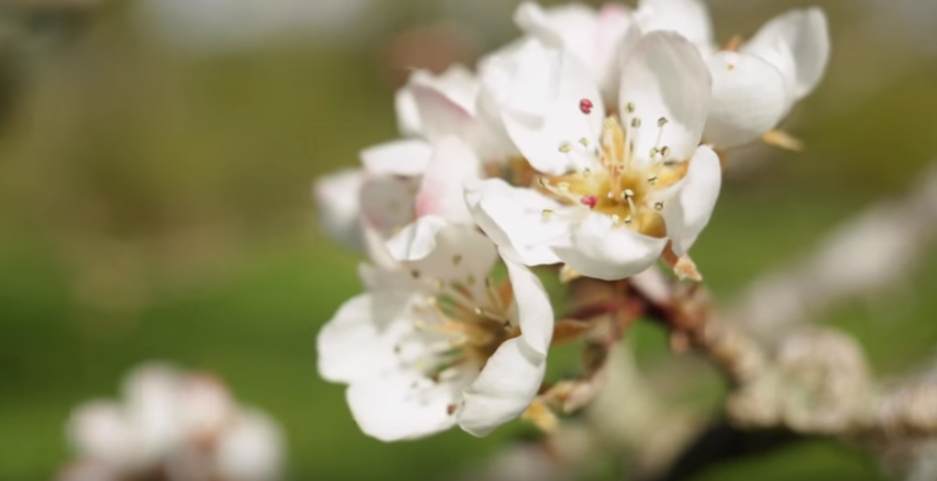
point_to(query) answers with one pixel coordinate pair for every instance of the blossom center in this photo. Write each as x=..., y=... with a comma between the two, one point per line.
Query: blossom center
x=475, y=320
x=615, y=182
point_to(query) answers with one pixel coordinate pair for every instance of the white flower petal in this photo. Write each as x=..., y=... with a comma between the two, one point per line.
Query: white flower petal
x=749, y=99
x=402, y=157
x=439, y=114
x=605, y=251
x=403, y=405
x=798, y=44
x=688, y=213
x=408, y=116
x=689, y=18
x=431, y=105
x=504, y=389
x=441, y=193
x=514, y=219
x=358, y=342
x=541, y=93
x=535, y=314
x=618, y=34
x=665, y=78
x=573, y=27
x=100, y=431
x=206, y=406
x=437, y=249
x=153, y=406
x=252, y=449
x=337, y=198
x=388, y=202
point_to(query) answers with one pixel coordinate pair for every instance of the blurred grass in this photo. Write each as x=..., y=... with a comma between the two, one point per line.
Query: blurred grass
x=157, y=207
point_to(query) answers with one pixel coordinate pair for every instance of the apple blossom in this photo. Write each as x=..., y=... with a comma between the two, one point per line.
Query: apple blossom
x=614, y=192
x=439, y=341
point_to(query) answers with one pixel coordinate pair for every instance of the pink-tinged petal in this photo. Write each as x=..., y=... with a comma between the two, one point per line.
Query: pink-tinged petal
x=441, y=193
x=689, y=211
x=602, y=250
x=433, y=105
x=438, y=249
x=665, y=95
x=504, y=389
x=408, y=158
x=337, y=198
x=514, y=219
x=403, y=405
x=749, y=99
x=388, y=202
x=689, y=18
x=798, y=44
x=534, y=311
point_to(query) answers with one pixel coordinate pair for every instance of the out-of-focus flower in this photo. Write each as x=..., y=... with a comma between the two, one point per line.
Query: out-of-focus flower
x=176, y=427
x=613, y=193
x=439, y=341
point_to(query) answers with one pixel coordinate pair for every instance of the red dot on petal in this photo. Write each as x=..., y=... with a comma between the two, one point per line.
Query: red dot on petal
x=586, y=105
x=590, y=201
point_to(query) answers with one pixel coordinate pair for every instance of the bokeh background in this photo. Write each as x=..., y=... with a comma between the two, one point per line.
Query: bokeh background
x=156, y=160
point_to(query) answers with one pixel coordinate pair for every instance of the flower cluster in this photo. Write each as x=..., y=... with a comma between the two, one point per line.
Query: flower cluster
x=173, y=426
x=592, y=143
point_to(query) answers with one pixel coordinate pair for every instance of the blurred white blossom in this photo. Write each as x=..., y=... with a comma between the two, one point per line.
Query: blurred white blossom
x=173, y=426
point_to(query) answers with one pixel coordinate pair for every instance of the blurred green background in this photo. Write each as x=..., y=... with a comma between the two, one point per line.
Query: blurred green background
x=155, y=204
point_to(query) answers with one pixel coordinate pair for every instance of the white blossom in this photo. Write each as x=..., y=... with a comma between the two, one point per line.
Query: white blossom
x=439, y=341
x=613, y=192
x=186, y=426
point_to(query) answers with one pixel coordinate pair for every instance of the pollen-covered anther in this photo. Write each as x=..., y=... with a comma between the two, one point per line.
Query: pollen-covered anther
x=636, y=122
x=586, y=106
x=584, y=141
x=547, y=213
x=662, y=121
x=652, y=179
x=565, y=148
x=659, y=205
x=563, y=186
x=630, y=107
x=627, y=194
x=665, y=151
x=590, y=201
